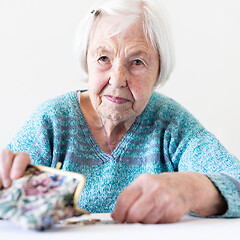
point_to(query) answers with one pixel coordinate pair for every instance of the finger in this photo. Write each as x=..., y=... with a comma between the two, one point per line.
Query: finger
x=125, y=201
x=174, y=213
x=6, y=160
x=171, y=215
x=20, y=163
x=167, y=211
x=159, y=212
x=140, y=209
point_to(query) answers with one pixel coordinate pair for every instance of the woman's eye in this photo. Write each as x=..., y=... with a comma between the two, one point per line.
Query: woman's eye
x=104, y=59
x=137, y=62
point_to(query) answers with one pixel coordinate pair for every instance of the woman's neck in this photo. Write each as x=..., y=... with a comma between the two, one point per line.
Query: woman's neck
x=104, y=130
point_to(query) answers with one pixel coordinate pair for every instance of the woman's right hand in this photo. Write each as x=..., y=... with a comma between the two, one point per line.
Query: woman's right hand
x=12, y=166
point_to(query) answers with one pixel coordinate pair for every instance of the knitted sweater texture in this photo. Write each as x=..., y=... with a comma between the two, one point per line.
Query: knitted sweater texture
x=165, y=137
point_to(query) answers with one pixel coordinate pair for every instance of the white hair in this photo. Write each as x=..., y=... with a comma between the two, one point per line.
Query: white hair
x=155, y=27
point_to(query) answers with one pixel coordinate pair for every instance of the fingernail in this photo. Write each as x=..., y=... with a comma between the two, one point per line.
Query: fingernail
x=13, y=174
x=7, y=183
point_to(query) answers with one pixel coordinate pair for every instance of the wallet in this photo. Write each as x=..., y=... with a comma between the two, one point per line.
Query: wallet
x=42, y=197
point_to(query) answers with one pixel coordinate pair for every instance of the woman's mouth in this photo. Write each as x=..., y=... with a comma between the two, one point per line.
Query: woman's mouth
x=117, y=100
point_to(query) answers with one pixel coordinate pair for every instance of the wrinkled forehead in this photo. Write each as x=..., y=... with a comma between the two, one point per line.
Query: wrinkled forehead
x=118, y=27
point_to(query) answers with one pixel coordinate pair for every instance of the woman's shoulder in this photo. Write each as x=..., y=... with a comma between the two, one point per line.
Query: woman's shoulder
x=66, y=102
x=164, y=109
x=163, y=100
x=61, y=101
x=63, y=106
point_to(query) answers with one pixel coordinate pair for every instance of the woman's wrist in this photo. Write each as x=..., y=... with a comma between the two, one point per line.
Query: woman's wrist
x=206, y=199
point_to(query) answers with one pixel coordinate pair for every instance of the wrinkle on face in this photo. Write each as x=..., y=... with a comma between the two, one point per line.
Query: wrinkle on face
x=119, y=76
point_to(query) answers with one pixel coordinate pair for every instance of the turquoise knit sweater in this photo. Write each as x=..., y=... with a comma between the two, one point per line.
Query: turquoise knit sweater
x=164, y=138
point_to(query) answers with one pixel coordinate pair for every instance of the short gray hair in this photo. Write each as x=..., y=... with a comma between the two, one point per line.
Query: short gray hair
x=155, y=27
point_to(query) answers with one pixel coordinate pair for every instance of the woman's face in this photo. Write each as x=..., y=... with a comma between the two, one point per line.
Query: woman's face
x=122, y=70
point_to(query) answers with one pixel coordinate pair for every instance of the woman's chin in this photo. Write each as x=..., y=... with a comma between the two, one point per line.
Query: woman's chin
x=117, y=116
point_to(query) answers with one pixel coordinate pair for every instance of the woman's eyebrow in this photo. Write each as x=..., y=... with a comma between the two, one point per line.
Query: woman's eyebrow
x=100, y=51
x=137, y=53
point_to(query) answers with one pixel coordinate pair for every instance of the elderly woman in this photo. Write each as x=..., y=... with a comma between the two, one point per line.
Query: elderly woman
x=146, y=159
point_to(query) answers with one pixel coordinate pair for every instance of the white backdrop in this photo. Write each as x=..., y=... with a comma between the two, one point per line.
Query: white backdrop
x=37, y=60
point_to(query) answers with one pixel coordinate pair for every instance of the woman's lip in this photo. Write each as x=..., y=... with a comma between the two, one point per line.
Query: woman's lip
x=118, y=100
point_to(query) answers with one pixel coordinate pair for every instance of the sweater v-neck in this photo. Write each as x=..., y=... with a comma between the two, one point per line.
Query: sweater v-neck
x=92, y=143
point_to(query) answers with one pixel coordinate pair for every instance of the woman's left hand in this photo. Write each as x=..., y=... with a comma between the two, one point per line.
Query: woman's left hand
x=167, y=197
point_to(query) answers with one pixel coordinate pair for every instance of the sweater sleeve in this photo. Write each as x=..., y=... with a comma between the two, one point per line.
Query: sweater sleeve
x=35, y=137
x=193, y=148
x=205, y=154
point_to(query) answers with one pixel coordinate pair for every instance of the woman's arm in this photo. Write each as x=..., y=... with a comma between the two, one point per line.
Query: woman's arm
x=167, y=197
x=205, y=181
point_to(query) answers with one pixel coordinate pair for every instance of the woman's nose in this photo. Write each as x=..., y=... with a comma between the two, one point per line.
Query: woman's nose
x=118, y=75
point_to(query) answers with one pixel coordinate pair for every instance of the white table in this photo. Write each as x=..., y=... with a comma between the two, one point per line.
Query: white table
x=188, y=228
